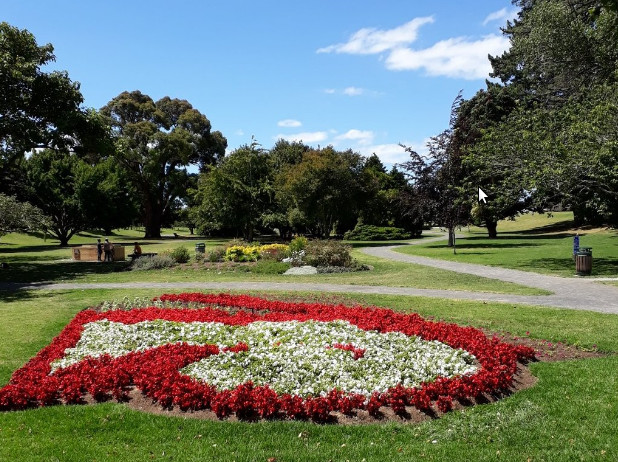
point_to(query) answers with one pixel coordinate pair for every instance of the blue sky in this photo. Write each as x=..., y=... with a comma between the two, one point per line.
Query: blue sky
x=357, y=74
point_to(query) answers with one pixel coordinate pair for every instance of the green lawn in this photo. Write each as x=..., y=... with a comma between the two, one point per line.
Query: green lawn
x=33, y=260
x=570, y=415
x=531, y=243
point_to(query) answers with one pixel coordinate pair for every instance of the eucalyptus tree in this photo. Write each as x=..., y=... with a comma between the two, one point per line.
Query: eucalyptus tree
x=156, y=142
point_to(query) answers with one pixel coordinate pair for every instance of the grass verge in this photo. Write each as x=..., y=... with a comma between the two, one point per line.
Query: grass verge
x=571, y=414
x=531, y=243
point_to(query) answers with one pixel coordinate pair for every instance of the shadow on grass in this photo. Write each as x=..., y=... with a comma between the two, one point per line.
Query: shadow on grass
x=566, y=225
x=519, y=236
x=34, y=248
x=33, y=272
x=600, y=266
x=7, y=296
x=496, y=244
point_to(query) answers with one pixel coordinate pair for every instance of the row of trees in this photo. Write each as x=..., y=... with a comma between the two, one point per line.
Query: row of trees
x=544, y=134
x=84, y=168
x=294, y=188
x=127, y=164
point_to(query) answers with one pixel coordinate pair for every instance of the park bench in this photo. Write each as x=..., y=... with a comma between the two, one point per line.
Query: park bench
x=146, y=254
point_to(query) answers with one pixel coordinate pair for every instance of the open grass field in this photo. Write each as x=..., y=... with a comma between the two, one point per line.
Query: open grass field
x=33, y=260
x=535, y=243
x=570, y=415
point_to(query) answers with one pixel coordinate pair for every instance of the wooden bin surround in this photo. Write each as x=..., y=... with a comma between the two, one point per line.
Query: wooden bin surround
x=89, y=253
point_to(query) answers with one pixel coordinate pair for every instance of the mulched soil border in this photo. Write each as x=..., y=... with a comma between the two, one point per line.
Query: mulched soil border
x=524, y=379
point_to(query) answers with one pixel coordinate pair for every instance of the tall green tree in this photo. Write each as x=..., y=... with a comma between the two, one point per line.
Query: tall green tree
x=237, y=193
x=155, y=142
x=19, y=216
x=321, y=192
x=76, y=195
x=38, y=109
x=552, y=142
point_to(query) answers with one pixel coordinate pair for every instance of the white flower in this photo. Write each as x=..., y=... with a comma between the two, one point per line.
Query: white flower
x=291, y=357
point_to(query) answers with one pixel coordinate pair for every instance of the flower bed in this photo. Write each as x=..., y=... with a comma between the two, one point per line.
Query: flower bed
x=255, y=357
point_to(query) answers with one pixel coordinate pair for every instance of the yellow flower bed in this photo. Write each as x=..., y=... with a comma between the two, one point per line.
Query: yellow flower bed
x=242, y=253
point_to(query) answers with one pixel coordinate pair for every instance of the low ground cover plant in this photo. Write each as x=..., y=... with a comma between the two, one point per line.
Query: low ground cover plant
x=152, y=262
x=249, y=356
x=376, y=233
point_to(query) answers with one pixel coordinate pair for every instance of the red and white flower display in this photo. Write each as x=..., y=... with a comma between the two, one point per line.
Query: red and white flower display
x=256, y=357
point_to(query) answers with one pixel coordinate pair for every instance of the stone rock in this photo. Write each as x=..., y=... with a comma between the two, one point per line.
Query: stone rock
x=300, y=270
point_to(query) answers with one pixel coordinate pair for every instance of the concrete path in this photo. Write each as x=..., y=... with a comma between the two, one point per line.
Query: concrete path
x=571, y=293
x=574, y=293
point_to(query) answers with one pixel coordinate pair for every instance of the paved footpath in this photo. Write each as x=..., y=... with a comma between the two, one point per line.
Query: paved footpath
x=571, y=293
x=574, y=293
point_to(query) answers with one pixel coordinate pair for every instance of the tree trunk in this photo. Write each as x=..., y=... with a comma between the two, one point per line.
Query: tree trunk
x=492, y=230
x=451, y=237
x=152, y=218
x=152, y=223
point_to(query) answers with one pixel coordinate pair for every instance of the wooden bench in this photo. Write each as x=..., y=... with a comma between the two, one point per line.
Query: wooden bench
x=147, y=254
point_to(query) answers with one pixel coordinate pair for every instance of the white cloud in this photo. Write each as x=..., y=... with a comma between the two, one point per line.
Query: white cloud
x=502, y=15
x=353, y=91
x=330, y=91
x=289, y=123
x=371, y=40
x=305, y=137
x=362, y=137
x=391, y=154
x=456, y=57
x=459, y=57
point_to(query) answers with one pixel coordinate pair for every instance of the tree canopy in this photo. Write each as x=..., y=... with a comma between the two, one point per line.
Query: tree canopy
x=19, y=216
x=38, y=109
x=545, y=136
x=155, y=142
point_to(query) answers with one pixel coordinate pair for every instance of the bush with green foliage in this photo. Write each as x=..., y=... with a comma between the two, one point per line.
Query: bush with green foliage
x=274, y=252
x=298, y=243
x=242, y=253
x=376, y=233
x=216, y=254
x=328, y=253
x=270, y=267
x=152, y=262
x=180, y=255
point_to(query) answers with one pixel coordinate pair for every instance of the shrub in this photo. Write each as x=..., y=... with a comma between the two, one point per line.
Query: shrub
x=217, y=254
x=298, y=243
x=296, y=258
x=376, y=233
x=180, y=255
x=274, y=252
x=328, y=253
x=341, y=269
x=270, y=267
x=240, y=253
x=154, y=262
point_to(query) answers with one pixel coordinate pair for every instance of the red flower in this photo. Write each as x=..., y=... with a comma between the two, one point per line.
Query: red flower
x=156, y=371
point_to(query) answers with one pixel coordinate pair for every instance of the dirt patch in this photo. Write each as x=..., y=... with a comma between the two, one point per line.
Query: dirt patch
x=545, y=351
x=522, y=380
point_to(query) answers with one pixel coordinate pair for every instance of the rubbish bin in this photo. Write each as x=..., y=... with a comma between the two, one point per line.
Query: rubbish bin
x=200, y=248
x=583, y=261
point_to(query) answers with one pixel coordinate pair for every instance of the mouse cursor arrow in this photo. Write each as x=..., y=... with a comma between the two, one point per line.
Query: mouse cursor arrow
x=482, y=196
